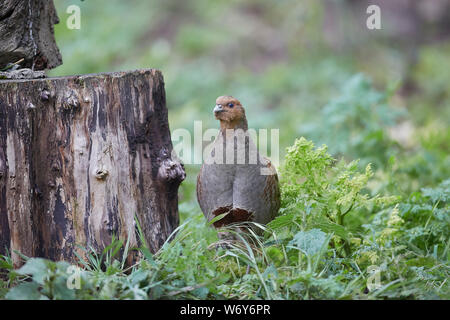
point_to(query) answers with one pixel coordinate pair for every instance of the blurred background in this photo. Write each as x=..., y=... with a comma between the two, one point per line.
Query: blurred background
x=310, y=68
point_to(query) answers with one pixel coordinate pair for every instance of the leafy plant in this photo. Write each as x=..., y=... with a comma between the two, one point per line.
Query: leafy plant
x=317, y=192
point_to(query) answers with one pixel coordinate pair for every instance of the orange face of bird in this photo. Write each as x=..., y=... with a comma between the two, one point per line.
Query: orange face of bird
x=229, y=110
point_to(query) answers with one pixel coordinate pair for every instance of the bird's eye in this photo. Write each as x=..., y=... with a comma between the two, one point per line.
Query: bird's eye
x=230, y=105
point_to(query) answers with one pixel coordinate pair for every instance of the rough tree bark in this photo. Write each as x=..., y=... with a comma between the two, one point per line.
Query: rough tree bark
x=26, y=32
x=80, y=157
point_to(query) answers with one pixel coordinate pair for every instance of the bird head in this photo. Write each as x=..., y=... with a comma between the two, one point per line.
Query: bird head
x=231, y=114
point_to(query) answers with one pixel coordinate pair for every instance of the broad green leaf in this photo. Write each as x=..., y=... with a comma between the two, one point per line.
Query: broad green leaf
x=24, y=291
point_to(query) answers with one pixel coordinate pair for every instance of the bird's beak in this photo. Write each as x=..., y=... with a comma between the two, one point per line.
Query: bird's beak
x=218, y=108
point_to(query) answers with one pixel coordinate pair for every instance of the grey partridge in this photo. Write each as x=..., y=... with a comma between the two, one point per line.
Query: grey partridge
x=235, y=179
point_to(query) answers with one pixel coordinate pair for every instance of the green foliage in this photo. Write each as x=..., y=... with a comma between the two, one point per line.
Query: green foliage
x=316, y=192
x=308, y=252
x=427, y=219
x=42, y=280
x=309, y=242
x=355, y=123
x=183, y=268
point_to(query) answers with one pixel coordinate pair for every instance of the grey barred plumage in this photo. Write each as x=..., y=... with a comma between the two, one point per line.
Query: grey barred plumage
x=246, y=188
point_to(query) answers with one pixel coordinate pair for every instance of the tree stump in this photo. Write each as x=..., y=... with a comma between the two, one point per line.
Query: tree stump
x=26, y=32
x=80, y=158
